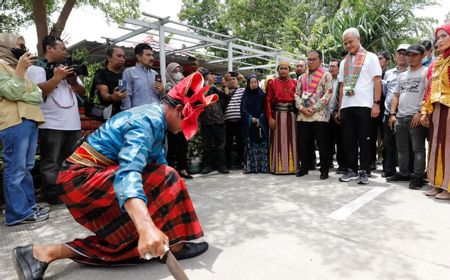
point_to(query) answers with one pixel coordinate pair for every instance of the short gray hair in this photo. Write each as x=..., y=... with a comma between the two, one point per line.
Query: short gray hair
x=351, y=31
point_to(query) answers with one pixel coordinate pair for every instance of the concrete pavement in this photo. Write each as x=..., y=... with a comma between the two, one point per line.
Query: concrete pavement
x=281, y=227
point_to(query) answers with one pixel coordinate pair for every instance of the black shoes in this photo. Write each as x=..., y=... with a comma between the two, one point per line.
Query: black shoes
x=323, y=175
x=302, y=172
x=397, y=177
x=387, y=174
x=185, y=176
x=206, y=170
x=416, y=183
x=191, y=250
x=27, y=267
x=223, y=170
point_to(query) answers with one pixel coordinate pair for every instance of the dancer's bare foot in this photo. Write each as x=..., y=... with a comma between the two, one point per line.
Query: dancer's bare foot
x=444, y=195
x=432, y=192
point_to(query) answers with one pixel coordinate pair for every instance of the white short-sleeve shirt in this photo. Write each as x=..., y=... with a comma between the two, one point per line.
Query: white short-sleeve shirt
x=60, y=108
x=365, y=86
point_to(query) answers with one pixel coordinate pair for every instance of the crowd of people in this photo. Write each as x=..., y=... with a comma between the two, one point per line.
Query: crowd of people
x=117, y=181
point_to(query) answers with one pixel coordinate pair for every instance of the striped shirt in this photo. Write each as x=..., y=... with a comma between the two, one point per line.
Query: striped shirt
x=233, y=110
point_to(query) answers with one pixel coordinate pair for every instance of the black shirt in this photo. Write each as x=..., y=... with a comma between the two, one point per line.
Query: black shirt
x=111, y=80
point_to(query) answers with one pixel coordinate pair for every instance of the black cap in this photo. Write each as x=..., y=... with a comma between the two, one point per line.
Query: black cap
x=205, y=72
x=233, y=74
x=416, y=48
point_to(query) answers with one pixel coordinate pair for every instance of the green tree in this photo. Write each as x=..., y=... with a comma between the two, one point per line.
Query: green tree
x=14, y=14
x=300, y=25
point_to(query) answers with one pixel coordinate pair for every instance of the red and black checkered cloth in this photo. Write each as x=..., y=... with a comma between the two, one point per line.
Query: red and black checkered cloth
x=89, y=195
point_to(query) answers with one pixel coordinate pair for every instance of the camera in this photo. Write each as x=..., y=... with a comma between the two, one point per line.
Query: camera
x=79, y=68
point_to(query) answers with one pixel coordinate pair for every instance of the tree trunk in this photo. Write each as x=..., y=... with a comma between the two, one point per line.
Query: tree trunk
x=59, y=26
x=40, y=20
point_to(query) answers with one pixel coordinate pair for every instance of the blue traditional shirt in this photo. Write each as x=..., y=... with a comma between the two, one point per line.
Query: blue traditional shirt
x=133, y=138
x=140, y=87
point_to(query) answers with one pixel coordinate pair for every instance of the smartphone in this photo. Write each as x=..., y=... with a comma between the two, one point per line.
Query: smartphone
x=158, y=78
x=122, y=85
x=218, y=80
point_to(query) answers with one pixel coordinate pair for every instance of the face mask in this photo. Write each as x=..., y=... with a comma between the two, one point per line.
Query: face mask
x=178, y=76
x=18, y=52
x=425, y=60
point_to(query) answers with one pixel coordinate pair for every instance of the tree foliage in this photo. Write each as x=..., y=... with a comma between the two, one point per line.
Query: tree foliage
x=15, y=14
x=300, y=25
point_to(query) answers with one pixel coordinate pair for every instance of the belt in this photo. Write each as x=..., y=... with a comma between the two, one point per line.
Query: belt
x=88, y=156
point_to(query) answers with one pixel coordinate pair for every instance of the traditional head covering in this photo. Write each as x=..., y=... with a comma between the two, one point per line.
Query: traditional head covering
x=7, y=42
x=170, y=74
x=283, y=63
x=446, y=28
x=191, y=93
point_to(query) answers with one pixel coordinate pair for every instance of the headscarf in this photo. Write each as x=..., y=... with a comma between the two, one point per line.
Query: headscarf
x=7, y=42
x=170, y=74
x=190, y=92
x=252, y=105
x=446, y=28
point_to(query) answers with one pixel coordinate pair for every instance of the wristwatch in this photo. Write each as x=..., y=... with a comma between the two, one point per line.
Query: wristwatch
x=377, y=102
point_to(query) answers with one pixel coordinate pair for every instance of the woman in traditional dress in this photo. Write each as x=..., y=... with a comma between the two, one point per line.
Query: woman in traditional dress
x=436, y=116
x=254, y=127
x=117, y=185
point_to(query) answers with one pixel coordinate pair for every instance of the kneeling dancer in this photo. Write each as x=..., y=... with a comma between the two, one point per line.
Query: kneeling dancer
x=117, y=184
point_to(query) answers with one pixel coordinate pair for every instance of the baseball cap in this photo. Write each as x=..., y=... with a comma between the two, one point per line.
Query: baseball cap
x=402, y=47
x=416, y=48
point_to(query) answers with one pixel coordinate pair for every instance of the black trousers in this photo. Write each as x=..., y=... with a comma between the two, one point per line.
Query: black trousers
x=54, y=146
x=337, y=144
x=214, y=146
x=357, y=130
x=177, y=151
x=308, y=132
x=234, y=143
x=390, y=148
x=311, y=152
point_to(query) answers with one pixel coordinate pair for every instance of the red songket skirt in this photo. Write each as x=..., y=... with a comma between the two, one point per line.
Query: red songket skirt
x=89, y=195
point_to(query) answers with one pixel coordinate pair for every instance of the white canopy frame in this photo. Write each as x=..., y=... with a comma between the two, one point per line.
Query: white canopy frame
x=196, y=44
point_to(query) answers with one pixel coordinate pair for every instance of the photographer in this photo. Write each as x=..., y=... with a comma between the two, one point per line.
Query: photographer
x=58, y=136
x=20, y=116
x=106, y=80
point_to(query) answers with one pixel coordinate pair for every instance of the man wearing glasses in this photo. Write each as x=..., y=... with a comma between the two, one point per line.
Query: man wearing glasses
x=389, y=85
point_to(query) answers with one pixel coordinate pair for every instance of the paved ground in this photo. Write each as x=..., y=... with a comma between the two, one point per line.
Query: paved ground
x=282, y=227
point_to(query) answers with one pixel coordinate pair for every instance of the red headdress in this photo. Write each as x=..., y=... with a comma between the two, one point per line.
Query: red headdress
x=191, y=92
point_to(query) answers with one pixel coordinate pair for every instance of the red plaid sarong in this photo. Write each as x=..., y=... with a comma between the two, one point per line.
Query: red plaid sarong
x=89, y=195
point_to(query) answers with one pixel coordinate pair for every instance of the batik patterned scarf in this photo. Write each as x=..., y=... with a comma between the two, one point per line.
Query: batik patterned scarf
x=352, y=71
x=309, y=84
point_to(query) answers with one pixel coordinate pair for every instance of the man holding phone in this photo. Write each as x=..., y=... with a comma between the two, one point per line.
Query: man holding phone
x=142, y=84
x=106, y=80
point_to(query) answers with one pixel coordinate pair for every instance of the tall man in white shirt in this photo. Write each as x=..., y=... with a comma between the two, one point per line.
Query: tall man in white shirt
x=359, y=101
x=62, y=127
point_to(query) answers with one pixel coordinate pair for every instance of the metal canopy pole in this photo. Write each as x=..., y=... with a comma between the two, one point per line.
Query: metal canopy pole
x=162, y=49
x=230, y=56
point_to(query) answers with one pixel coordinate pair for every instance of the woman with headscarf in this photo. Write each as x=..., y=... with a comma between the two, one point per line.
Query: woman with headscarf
x=436, y=116
x=254, y=127
x=177, y=144
x=20, y=116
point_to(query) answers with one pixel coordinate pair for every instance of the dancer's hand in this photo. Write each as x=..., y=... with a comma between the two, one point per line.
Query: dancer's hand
x=152, y=241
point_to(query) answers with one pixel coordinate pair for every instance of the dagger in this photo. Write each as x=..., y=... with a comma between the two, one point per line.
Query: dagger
x=173, y=265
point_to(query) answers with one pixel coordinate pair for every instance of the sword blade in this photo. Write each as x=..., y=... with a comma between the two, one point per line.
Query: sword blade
x=174, y=267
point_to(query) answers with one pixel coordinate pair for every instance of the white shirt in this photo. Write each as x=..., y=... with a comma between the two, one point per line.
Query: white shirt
x=365, y=86
x=60, y=108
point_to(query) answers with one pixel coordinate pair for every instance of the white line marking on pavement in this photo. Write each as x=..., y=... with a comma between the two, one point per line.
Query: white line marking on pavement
x=346, y=210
